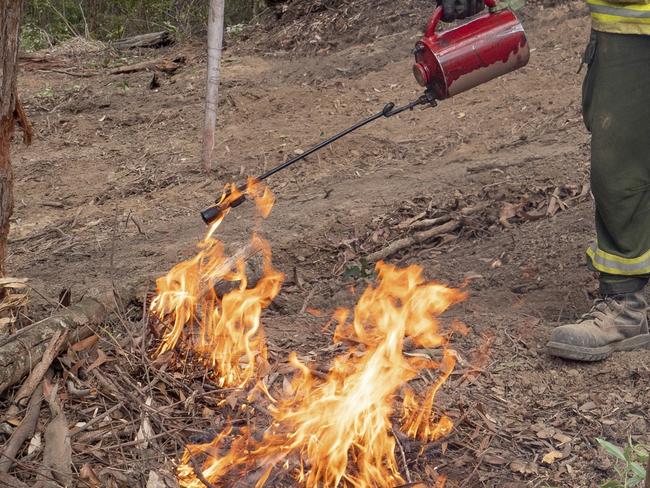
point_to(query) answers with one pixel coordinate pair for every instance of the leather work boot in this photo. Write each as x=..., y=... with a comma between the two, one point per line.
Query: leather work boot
x=615, y=323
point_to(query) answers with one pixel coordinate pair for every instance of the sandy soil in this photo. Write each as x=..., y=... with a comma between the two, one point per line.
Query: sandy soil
x=111, y=190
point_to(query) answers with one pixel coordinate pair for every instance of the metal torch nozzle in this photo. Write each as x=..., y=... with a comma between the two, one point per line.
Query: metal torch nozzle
x=216, y=211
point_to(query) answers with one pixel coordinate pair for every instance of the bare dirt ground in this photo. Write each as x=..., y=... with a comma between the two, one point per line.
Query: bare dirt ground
x=111, y=189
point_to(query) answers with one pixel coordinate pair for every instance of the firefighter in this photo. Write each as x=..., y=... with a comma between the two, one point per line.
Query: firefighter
x=616, y=110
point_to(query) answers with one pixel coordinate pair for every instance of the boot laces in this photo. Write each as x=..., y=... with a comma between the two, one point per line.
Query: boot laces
x=601, y=309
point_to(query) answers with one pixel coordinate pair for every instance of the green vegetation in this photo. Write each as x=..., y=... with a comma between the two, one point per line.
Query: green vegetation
x=47, y=22
x=630, y=464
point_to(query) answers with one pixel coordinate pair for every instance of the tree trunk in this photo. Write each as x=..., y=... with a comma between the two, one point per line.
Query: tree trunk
x=215, y=46
x=10, y=13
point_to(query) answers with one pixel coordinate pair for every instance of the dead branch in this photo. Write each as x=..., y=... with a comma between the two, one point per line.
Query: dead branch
x=428, y=223
x=35, y=377
x=472, y=209
x=165, y=65
x=414, y=239
x=76, y=74
x=24, y=431
x=409, y=222
x=21, y=351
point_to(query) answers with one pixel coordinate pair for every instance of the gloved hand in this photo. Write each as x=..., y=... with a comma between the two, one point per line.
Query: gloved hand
x=460, y=9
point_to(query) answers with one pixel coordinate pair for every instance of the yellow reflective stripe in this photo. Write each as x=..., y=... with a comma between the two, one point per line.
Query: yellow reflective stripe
x=620, y=17
x=627, y=6
x=617, y=265
x=621, y=27
x=619, y=259
x=612, y=19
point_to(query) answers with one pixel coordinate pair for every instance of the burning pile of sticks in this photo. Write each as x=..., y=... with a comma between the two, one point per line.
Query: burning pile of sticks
x=109, y=400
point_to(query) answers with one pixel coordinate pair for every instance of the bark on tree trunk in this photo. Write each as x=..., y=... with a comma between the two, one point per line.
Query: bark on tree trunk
x=215, y=46
x=10, y=13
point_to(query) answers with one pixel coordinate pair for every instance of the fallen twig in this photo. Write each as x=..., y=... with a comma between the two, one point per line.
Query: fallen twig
x=24, y=431
x=428, y=223
x=409, y=222
x=403, y=454
x=90, y=423
x=165, y=65
x=199, y=473
x=35, y=377
x=70, y=73
x=417, y=238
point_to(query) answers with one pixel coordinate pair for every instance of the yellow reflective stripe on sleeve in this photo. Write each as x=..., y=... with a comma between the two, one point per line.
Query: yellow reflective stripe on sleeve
x=617, y=265
x=614, y=19
x=627, y=27
x=639, y=6
x=621, y=17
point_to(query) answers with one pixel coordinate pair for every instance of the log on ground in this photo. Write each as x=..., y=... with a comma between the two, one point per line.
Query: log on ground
x=22, y=351
x=151, y=39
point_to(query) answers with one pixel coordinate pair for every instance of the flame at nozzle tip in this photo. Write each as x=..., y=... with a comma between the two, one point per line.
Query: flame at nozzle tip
x=233, y=196
x=211, y=214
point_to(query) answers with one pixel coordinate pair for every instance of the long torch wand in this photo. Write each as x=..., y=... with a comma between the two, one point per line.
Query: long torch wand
x=216, y=211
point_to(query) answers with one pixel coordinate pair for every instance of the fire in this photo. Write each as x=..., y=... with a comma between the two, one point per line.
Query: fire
x=337, y=431
x=224, y=332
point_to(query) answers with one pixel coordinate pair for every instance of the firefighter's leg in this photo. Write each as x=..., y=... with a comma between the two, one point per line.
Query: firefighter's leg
x=619, y=118
x=616, y=102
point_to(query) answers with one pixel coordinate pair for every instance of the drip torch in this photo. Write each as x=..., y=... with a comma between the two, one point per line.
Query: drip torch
x=446, y=63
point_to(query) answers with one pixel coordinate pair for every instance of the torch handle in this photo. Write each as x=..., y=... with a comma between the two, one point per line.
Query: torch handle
x=437, y=17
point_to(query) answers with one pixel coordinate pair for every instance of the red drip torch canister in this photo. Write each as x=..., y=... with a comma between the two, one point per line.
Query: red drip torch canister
x=453, y=61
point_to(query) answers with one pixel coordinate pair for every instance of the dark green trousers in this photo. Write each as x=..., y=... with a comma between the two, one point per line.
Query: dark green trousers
x=616, y=107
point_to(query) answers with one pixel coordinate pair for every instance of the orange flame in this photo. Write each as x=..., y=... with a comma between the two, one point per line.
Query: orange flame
x=337, y=431
x=224, y=332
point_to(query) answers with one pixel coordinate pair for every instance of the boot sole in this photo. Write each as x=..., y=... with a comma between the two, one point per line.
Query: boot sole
x=590, y=354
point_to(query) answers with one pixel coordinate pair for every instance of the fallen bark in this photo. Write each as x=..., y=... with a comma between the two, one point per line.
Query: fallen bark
x=417, y=238
x=20, y=352
x=57, y=454
x=23, y=122
x=151, y=39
